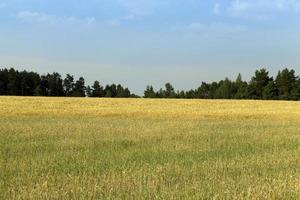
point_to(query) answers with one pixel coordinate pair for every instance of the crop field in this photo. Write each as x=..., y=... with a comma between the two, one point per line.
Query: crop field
x=84, y=148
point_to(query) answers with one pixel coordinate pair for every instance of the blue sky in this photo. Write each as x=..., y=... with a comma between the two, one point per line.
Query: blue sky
x=141, y=42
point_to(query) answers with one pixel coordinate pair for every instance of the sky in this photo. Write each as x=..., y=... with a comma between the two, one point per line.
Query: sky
x=150, y=42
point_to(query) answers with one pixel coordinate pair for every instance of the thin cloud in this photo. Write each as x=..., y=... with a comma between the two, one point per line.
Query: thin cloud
x=210, y=30
x=215, y=27
x=217, y=8
x=142, y=7
x=29, y=16
x=3, y=5
x=262, y=9
x=113, y=22
x=136, y=9
x=36, y=17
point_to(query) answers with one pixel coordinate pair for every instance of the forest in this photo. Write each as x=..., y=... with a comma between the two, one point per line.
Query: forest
x=24, y=83
x=285, y=86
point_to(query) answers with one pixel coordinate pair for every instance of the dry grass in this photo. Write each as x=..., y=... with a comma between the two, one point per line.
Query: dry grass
x=63, y=148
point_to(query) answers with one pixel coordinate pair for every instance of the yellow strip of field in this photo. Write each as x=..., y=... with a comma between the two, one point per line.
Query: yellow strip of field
x=84, y=148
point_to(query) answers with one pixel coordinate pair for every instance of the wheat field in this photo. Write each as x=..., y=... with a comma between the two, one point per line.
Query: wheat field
x=84, y=148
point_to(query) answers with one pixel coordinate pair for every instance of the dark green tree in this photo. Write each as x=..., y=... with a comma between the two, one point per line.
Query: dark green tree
x=270, y=91
x=55, y=85
x=203, y=92
x=295, y=93
x=241, y=88
x=68, y=85
x=225, y=90
x=13, y=83
x=257, y=84
x=89, y=91
x=108, y=94
x=160, y=93
x=113, y=90
x=149, y=92
x=120, y=91
x=3, y=81
x=44, y=86
x=181, y=94
x=285, y=82
x=79, y=88
x=212, y=90
x=191, y=94
x=97, y=90
x=127, y=93
x=110, y=90
x=29, y=81
x=169, y=91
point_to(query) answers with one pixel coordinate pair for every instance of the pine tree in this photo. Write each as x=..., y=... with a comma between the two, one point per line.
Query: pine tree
x=97, y=90
x=3, y=81
x=295, y=93
x=89, y=91
x=241, y=88
x=120, y=91
x=79, y=88
x=169, y=91
x=149, y=92
x=257, y=84
x=285, y=81
x=225, y=90
x=68, y=85
x=270, y=91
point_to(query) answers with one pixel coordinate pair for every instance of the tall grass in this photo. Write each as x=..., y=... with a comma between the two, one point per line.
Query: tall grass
x=64, y=148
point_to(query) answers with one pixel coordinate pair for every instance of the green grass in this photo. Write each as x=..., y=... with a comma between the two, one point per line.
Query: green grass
x=60, y=148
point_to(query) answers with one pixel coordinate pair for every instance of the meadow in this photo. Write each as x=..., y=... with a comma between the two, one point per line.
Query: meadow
x=84, y=148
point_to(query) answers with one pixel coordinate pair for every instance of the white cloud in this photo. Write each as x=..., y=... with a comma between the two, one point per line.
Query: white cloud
x=90, y=20
x=217, y=8
x=113, y=22
x=212, y=30
x=3, y=5
x=262, y=9
x=36, y=17
x=215, y=28
x=136, y=9
x=142, y=7
x=129, y=17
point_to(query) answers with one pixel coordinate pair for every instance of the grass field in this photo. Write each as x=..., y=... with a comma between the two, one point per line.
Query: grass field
x=64, y=148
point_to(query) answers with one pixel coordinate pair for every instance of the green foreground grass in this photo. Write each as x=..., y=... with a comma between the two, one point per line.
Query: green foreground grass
x=63, y=148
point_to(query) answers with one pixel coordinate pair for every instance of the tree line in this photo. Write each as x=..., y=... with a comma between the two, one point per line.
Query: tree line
x=285, y=86
x=24, y=83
